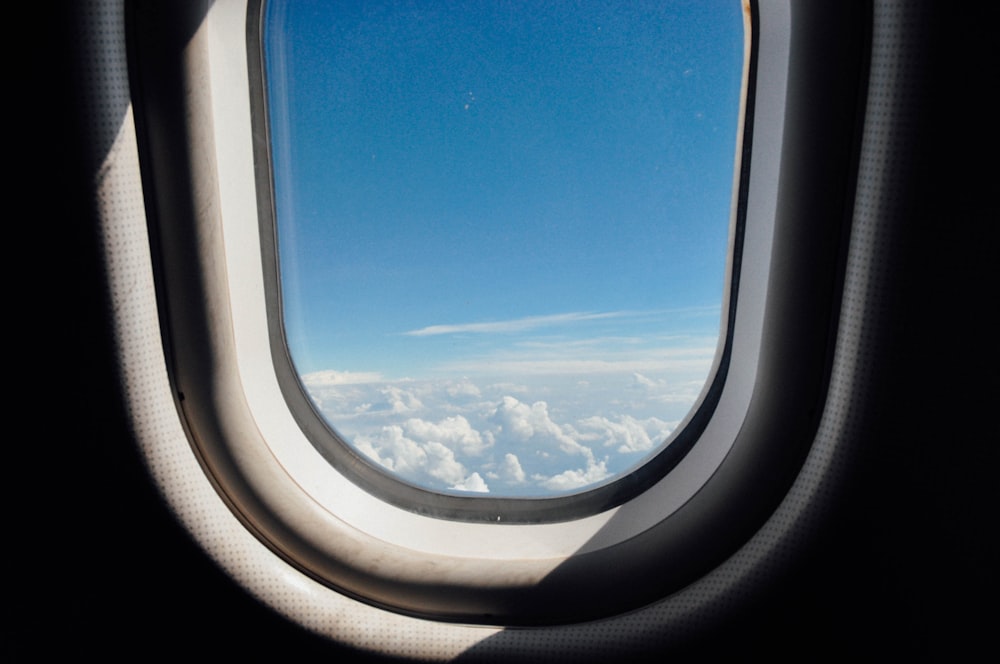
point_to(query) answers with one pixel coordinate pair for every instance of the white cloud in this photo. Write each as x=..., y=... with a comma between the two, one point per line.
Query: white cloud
x=394, y=451
x=639, y=380
x=472, y=483
x=441, y=464
x=330, y=377
x=628, y=433
x=532, y=423
x=454, y=432
x=510, y=469
x=574, y=479
x=463, y=388
x=534, y=322
x=400, y=400
x=439, y=433
x=514, y=325
x=509, y=388
x=429, y=463
x=686, y=392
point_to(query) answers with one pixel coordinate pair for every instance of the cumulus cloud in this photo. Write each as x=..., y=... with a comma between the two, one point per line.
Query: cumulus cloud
x=574, y=479
x=463, y=388
x=628, y=434
x=472, y=483
x=441, y=464
x=454, y=432
x=395, y=451
x=539, y=436
x=532, y=424
x=511, y=470
x=428, y=463
x=400, y=400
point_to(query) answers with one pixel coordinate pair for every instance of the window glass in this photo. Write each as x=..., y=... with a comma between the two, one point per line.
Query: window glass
x=503, y=227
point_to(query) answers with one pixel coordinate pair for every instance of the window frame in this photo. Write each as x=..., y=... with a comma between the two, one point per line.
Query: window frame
x=516, y=574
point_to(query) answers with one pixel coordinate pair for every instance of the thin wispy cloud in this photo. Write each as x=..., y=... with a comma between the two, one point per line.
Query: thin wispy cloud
x=514, y=325
x=330, y=377
x=534, y=322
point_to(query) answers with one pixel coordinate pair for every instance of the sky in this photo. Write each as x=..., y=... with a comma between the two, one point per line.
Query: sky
x=503, y=227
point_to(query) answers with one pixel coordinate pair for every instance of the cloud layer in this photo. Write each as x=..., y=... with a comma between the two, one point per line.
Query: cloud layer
x=547, y=435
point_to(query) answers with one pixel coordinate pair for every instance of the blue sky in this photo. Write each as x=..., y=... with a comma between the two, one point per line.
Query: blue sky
x=531, y=199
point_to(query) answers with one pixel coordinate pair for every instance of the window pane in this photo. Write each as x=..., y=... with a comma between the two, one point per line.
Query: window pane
x=503, y=227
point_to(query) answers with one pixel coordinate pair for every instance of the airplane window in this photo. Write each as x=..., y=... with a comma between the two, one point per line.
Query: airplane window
x=771, y=524
x=504, y=230
x=185, y=145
